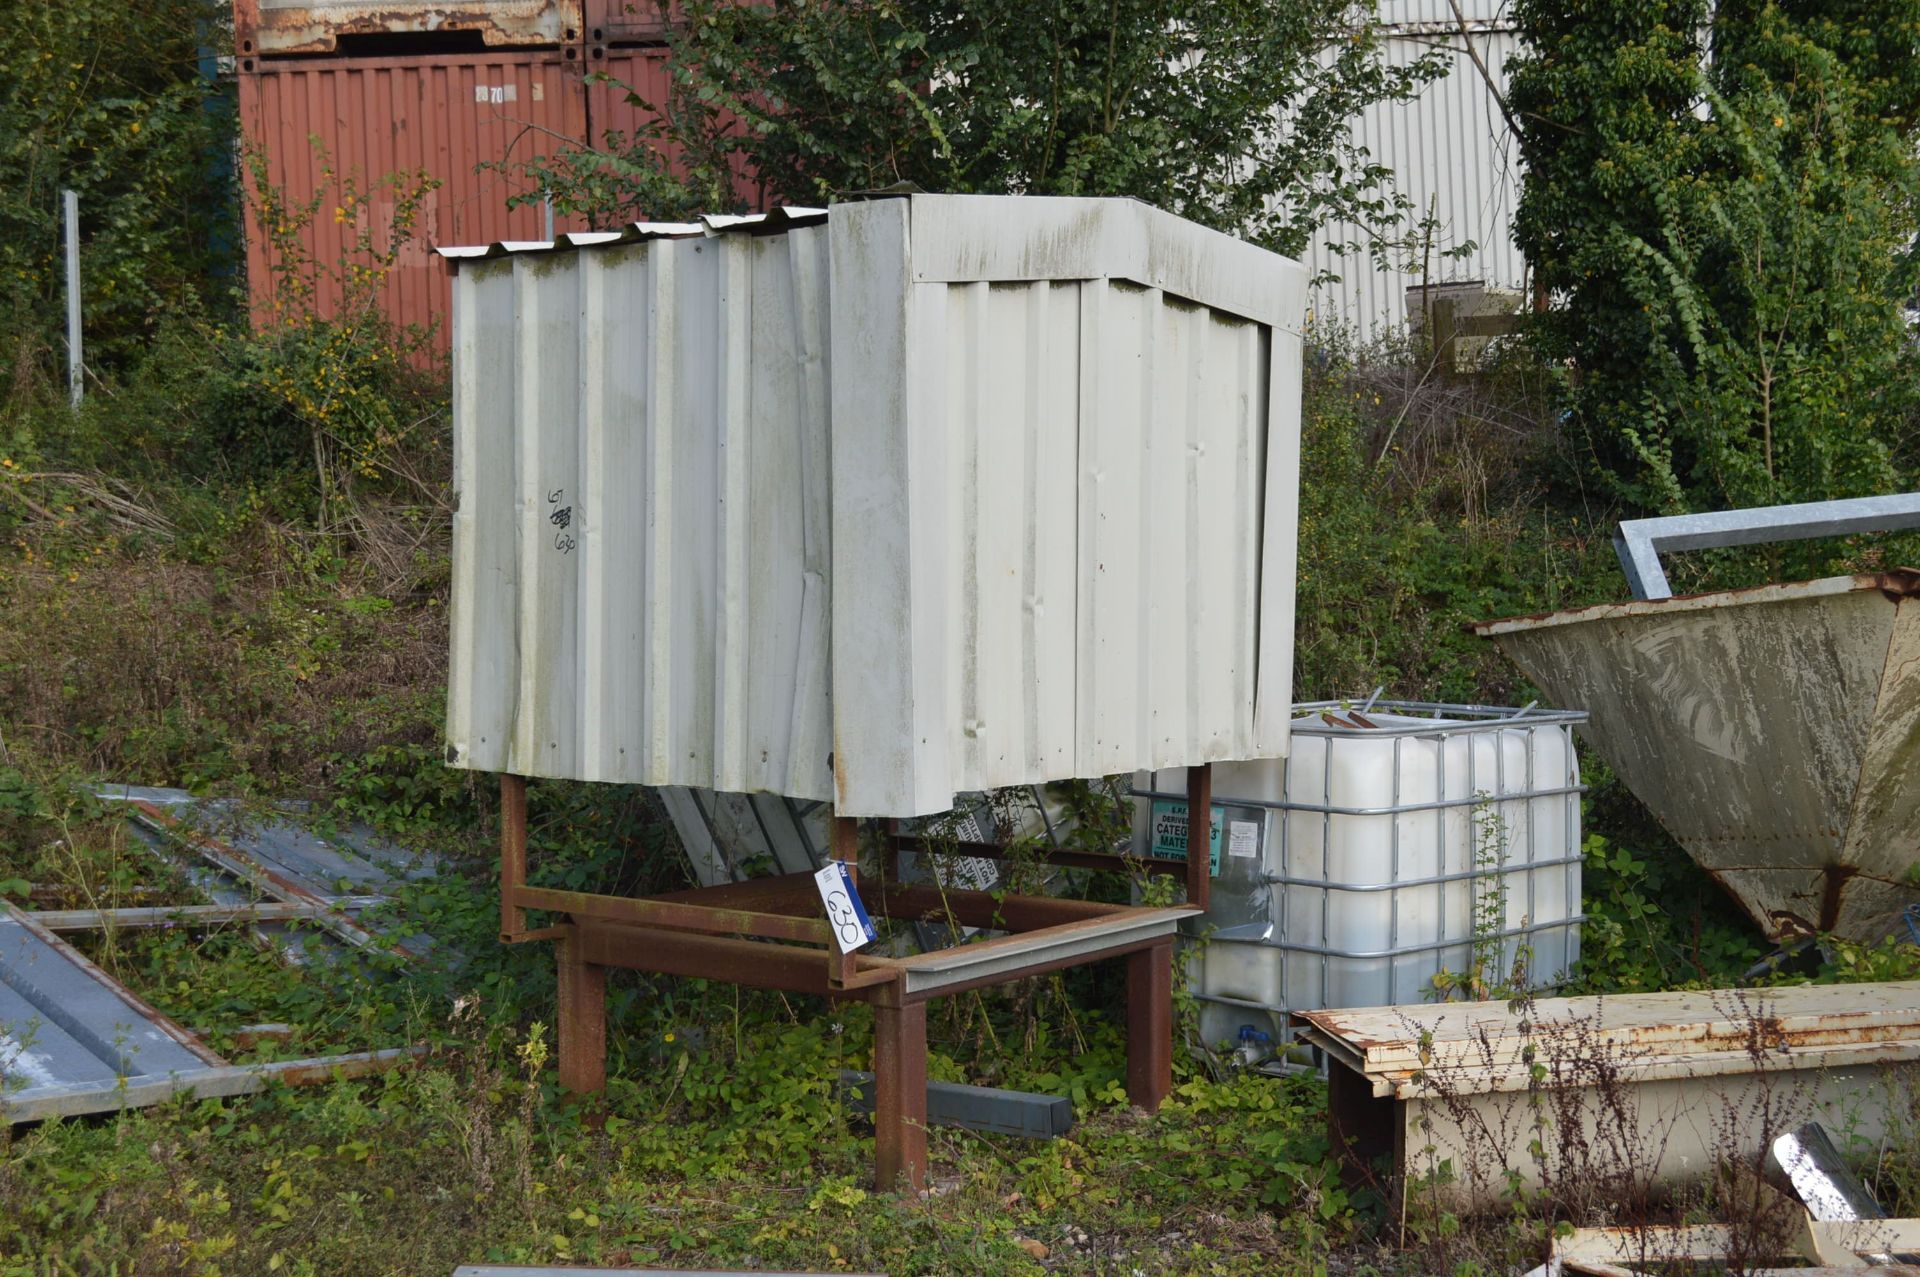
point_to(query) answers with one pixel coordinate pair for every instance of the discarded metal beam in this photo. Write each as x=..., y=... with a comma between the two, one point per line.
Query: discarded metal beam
x=218, y=1082
x=1828, y=1186
x=1641, y=542
x=977, y=1108
x=193, y=915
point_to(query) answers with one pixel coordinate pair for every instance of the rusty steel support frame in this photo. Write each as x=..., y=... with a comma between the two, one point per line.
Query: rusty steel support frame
x=1195, y=871
x=1200, y=846
x=766, y=934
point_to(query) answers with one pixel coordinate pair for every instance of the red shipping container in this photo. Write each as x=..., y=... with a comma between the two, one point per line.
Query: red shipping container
x=445, y=115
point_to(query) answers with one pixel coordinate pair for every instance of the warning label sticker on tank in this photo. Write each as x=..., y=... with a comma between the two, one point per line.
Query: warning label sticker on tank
x=1169, y=841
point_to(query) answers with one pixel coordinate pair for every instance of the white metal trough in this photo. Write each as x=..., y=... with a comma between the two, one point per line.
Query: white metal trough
x=1474, y=1099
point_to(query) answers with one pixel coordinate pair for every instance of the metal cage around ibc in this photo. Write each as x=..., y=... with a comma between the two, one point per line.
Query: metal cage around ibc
x=1399, y=841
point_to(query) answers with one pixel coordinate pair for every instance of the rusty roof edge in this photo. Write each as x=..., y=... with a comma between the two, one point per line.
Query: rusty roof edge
x=1391, y=1038
x=1895, y=583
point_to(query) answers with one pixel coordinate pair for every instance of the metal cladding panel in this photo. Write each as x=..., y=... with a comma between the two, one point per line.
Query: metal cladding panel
x=1455, y=160
x=63, y=1021
x=1065, y=464
x=1770, y=730
x=315, y=26
x=640, y=548
x=1038, y=522
x=375, y=117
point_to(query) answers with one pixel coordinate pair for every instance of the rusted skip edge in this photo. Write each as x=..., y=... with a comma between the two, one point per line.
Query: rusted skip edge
x=206, y=1084
x=1899, y=583
x=1466, y=1078
x=93, y=972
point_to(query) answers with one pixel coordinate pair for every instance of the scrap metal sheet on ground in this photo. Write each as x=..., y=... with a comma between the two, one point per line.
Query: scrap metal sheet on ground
x=67, y=1025
x=73, y=1040
x=242, y=856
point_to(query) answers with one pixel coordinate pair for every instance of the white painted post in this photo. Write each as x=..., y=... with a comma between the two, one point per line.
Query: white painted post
x=76, y=372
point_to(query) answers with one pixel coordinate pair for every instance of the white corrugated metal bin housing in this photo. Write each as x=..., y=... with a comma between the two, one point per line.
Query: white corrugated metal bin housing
x=877, y=505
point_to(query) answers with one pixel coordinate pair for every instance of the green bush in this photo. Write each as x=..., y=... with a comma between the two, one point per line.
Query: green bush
x=1171, y=101
x=1728, y=242
x=117, y=102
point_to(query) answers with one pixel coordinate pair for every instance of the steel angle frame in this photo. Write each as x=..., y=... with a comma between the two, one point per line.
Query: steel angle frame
x=771, y=933
x=1641, y=542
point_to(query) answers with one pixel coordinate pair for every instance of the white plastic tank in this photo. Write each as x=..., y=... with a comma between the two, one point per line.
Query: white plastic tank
x=1396, y=843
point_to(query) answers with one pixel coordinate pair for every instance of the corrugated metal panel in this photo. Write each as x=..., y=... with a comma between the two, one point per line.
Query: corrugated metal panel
x=1065, y=454
x=1452, y=155
x=315, y=26
x=378, y=116
x=1439, y=16
x=1770, y=730
x=1064, y=450
x=64, y=1022
x=640, y=543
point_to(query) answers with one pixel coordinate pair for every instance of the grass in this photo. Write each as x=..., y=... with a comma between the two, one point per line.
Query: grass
x=205, y=635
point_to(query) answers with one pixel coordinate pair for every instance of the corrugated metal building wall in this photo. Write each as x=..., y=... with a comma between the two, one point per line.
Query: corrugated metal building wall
x=640, y=587
x=1452, y=155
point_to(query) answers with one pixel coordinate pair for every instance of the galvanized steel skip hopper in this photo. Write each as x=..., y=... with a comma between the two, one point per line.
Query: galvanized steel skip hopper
x=875, y=505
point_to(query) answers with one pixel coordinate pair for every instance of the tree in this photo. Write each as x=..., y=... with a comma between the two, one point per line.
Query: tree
x=109, y=100
x=1231, y=112
x=1727, y=240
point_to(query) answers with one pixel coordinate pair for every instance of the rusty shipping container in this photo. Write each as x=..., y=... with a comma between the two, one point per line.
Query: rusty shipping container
x=440, y=114
x=276, y=28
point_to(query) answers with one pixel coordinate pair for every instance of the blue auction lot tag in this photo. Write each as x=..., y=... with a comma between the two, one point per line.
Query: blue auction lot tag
x=846, y=914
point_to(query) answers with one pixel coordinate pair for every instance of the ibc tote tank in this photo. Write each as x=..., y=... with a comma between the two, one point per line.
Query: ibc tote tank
x=1390, y=841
